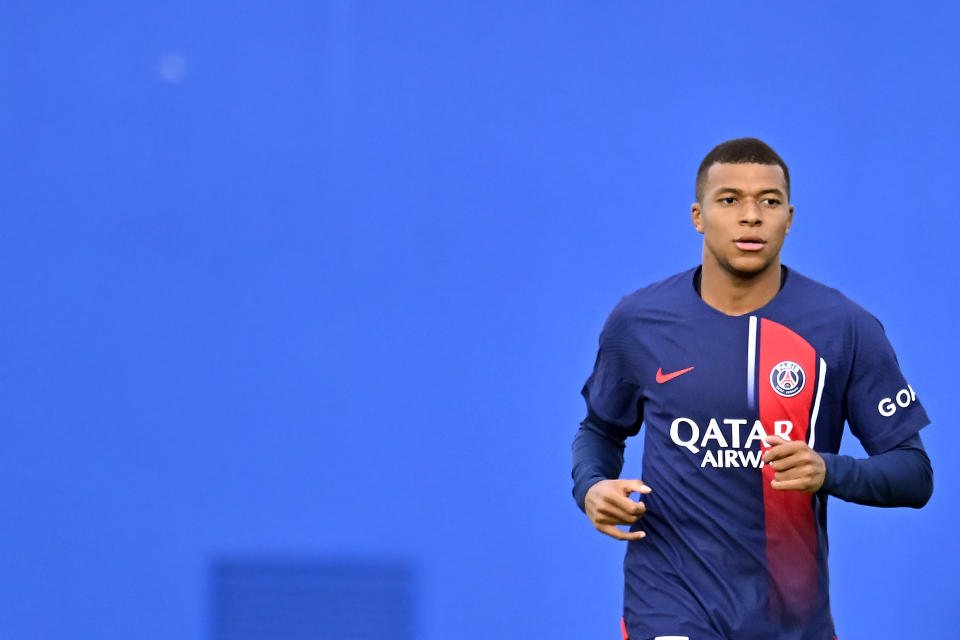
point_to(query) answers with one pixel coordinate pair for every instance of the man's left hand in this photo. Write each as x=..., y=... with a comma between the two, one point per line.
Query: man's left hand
x=798, y=467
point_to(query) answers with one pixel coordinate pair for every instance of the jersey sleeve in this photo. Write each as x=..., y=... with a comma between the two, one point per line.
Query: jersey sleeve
x=881, y=408
x=900, y=477
x=614, y=412
x=612, y=393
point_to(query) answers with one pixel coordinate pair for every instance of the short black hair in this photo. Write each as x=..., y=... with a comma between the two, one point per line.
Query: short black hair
x=740, y=151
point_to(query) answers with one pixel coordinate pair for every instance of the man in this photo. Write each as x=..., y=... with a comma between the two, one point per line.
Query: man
x=744, y=373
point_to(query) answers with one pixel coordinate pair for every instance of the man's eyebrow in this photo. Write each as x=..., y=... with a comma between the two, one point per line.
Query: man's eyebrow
x=730, y=190
x=739, y=192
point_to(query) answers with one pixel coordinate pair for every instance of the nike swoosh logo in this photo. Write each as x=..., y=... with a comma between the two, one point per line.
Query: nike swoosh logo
x=665, y=377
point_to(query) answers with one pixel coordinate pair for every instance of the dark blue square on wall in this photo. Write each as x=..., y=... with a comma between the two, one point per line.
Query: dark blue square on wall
x=310, y=599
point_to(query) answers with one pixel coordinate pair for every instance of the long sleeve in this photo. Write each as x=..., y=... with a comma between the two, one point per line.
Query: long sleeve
x=614, y=408
x=597, y=455
x=900, y=477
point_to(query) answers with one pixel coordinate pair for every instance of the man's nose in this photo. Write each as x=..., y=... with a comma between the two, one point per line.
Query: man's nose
x=751, y=213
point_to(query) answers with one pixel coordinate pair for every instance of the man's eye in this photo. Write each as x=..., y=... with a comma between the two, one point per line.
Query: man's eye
x=728, y=200
x=772, y=202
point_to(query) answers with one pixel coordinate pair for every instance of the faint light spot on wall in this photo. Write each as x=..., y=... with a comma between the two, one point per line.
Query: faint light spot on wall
x=172, y=67
x=312, y=599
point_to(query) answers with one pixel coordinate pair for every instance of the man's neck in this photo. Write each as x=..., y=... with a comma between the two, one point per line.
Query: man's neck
x=735, y=295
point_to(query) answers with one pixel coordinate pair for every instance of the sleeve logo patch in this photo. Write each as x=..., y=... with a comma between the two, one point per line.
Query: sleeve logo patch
x=787, y=378
x=904, y=397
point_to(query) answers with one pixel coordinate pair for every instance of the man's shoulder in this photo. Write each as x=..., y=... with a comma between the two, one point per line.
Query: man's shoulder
x=666, y=296
x=820, y=298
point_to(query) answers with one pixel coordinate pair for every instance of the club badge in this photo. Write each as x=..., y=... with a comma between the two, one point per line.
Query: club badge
x=787, y=379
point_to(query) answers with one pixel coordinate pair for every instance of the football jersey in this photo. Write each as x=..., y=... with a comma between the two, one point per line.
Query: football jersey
x=726, y=555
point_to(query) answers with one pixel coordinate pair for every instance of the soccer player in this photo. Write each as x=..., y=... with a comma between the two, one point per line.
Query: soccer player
x=743, y=372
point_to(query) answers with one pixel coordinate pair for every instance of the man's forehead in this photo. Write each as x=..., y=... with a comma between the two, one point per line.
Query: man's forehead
x=745, y=175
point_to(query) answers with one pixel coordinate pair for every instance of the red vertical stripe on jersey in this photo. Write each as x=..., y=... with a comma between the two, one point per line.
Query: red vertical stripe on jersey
x=790, y=527
x=623, y=629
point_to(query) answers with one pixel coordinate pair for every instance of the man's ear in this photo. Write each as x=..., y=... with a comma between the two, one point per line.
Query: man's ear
x=696, y=217
x=789, y=218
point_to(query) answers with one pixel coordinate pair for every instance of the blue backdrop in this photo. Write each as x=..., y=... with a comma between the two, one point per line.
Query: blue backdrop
x=322, y=280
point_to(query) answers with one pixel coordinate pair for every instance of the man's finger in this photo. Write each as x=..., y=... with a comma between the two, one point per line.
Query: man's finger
x=613, y=532
x=782, y=450
x=788, y=462
x=614, y=520
x=623, y=511
x=793, y=473
x=635, y=486
x=791, y=485
x=613, y=508
x=610, y=515
x=628, y=505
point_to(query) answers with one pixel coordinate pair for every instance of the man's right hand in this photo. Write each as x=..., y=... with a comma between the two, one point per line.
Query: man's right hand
x=608, y=504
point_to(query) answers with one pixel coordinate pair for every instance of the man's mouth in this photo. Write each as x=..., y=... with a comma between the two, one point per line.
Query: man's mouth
x=750, y=244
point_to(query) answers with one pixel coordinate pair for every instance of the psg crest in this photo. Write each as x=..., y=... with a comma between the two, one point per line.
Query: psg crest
x=787, y=378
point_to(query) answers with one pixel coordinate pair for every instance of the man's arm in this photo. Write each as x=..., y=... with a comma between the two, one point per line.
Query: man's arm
x=614, y=400
x=898, y=472
x=900, y=477
x=597, y=462
x=597, y=455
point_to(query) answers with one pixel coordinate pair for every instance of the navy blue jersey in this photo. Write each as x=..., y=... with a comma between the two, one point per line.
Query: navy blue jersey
x=726, y=555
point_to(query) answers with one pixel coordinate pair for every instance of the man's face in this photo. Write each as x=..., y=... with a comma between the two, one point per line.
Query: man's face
x=743, y=217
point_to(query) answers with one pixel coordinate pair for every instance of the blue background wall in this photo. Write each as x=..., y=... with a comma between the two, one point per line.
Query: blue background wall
x=323, y=280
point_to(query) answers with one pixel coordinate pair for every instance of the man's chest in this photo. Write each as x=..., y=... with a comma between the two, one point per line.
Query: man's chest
x=733, y=380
